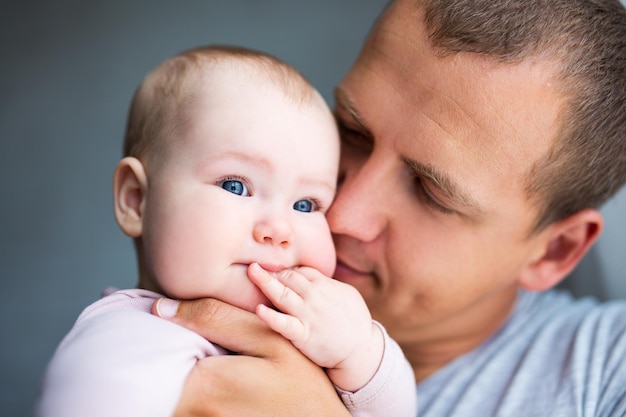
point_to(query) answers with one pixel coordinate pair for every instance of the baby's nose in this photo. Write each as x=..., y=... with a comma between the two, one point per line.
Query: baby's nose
x=276, y=232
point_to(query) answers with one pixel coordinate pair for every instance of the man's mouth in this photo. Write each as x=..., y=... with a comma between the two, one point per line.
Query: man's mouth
x=347, y=273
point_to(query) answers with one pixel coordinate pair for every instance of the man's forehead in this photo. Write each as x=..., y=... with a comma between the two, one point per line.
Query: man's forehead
x=466, y=93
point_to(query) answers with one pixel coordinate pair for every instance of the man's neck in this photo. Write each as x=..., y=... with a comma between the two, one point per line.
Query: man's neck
x=479, y=324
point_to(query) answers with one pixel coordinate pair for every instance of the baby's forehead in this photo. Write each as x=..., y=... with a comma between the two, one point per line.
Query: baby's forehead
x=255, y=74
x=233, y=86
x=210, y=88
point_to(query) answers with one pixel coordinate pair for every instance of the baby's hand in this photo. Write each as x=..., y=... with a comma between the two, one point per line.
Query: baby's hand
x=325, y=319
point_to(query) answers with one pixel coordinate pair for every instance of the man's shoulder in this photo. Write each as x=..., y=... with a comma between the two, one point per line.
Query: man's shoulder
x=556, y=355
x=583, y=342
x=563, y=323
x=557, y=310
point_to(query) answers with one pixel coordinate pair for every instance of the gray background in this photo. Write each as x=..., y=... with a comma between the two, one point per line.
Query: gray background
x=67, y=72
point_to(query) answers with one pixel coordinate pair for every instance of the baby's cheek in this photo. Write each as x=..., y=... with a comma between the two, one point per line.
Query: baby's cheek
x=321, y=255
x=172, y=262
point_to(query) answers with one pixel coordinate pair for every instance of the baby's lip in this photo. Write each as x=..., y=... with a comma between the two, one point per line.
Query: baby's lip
x=272, y=267
x=268, y=266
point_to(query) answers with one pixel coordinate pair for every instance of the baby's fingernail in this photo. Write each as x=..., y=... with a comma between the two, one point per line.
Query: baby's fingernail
x=257, y=269
x=166, y=307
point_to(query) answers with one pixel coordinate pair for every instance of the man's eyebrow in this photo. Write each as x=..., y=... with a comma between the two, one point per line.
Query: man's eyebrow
x=343, y=101
x=445, y=185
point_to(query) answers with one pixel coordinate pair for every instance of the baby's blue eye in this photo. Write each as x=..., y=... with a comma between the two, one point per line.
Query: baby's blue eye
x=235, y=187
x=303, y=205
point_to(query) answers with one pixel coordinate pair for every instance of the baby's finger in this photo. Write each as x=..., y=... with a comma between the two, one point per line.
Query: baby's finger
x=281, y=296
x=298, y=280
x=288, y=326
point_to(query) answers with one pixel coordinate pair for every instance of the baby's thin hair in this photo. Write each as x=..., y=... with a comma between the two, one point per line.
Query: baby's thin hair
x=162, y=104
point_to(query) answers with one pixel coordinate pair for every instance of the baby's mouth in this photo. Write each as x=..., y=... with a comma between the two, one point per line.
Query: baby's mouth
x=270, y=267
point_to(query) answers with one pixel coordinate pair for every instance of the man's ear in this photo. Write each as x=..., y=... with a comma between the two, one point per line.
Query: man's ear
x=563, y=245
x=130, y=186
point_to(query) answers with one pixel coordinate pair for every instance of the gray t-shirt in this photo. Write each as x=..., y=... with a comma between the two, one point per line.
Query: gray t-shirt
x=555, y=357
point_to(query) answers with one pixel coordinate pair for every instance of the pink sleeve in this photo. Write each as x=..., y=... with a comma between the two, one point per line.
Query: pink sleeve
x=391, y=391
x=120, y=360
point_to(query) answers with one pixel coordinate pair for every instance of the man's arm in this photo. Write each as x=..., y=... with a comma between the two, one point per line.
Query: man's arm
x=269, y=377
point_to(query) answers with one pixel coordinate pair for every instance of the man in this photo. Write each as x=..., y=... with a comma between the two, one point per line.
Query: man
x=480, y=138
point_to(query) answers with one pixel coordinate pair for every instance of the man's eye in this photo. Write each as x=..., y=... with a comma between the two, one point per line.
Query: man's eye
x=306, y=206
x=354, y=138
x=424, y=194
x=235, y=187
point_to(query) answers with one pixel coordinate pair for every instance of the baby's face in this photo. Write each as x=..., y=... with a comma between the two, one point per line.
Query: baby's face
x=250, y=181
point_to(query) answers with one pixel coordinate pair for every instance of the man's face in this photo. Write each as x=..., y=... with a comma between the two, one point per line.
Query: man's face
x=432, y=221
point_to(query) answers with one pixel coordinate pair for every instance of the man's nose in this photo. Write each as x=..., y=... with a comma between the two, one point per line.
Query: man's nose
x=359, y=207
x=274, y=231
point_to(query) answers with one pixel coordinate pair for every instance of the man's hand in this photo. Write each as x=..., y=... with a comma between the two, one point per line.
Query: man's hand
x=269, y=377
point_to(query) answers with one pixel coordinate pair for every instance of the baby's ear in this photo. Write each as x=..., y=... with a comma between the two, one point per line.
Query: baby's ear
x=564, y=244
x=130, y=186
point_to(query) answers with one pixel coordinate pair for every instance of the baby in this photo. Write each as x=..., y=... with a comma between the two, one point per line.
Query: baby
x=231, y=161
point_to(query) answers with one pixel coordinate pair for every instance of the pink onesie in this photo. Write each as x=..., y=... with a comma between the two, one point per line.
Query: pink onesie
x=120, y=360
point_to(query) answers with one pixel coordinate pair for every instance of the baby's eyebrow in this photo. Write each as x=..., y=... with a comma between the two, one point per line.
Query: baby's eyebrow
x=244, y=157
x=265, y=165
x=317, y=183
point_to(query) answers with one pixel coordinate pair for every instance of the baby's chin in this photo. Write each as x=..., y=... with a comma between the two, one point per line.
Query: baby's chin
x=244, y=294
x=251, y=303
x=234, y=287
